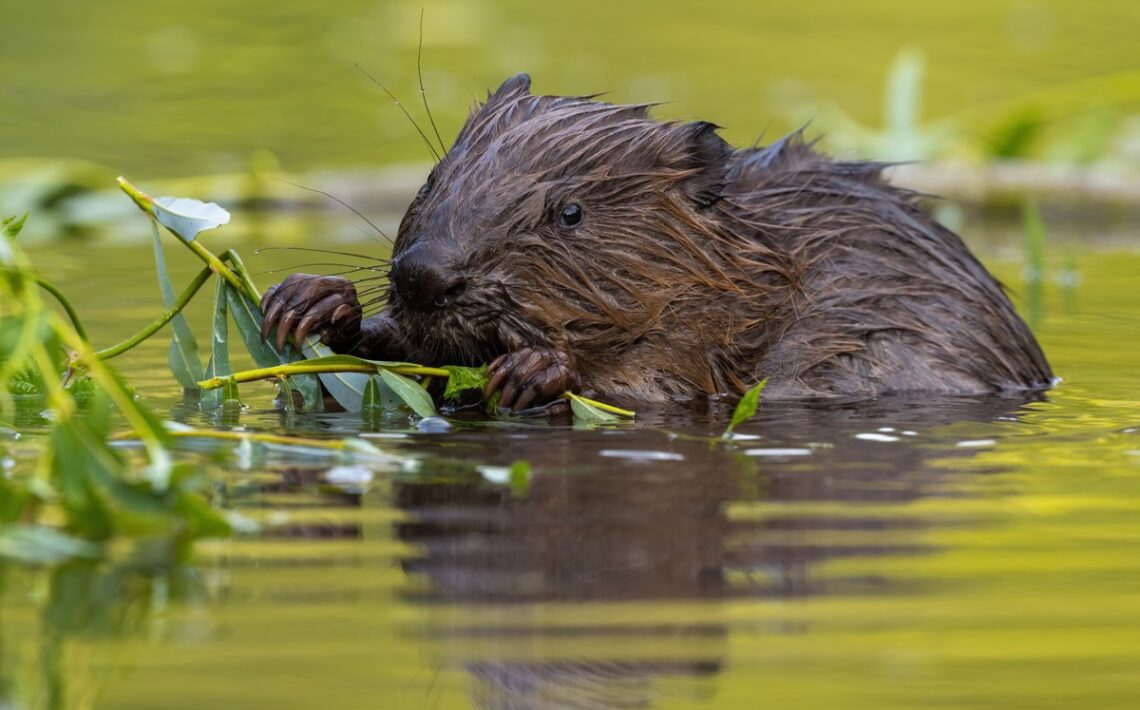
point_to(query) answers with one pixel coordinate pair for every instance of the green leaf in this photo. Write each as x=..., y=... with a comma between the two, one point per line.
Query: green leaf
x=347, y=388
x=462, y=379
x=585, y=410
x=372, y=401
x=187, y=217
x=13, y=498
x=183, y=216
x=185, y=361
x=146, y=425
x=200, y=519
x=72, y=467
x=519, y=478
x=219, y=364
x=82, y=390
x=409, y=391
x=248, y=319
x=26, y=383
x=11, y=226
x=39, y=544
x=746, y=407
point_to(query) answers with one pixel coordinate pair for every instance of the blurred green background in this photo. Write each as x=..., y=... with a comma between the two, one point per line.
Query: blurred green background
x=174, y=87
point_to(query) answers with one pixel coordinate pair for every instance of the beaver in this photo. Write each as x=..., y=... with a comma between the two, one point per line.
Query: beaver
x=580, y=245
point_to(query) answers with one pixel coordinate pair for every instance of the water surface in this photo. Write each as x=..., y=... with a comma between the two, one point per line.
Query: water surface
x=893, y=554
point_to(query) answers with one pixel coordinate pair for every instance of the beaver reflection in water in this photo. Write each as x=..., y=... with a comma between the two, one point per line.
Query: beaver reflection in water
x=580, y=245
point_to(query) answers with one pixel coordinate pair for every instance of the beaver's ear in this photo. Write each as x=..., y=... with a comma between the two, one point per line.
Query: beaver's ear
x=707, y=156
x=517, y=85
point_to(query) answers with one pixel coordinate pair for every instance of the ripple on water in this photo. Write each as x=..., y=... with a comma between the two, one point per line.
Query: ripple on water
x=875, y=436
x=975, y=443
x=777, y=452
x=641, y=455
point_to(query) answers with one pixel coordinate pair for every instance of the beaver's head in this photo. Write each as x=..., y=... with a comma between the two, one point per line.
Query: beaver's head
x=557, y=222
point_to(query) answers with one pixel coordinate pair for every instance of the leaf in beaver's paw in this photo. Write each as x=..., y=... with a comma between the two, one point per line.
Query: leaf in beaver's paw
x=462, y=379
x=745, y=408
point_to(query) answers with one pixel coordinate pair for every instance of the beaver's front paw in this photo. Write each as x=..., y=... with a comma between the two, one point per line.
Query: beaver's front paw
x=530, y=377
x=303, y=303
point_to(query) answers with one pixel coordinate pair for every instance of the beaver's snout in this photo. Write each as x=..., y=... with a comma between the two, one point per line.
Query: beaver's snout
x=423, y=281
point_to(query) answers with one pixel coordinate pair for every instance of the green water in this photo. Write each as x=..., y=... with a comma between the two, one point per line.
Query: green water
x=170, y=87
x=893, y=555
x=899, y=554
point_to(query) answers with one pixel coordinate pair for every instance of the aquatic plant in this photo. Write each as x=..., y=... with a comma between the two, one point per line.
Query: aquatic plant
x=90, y=488
x=355, y=383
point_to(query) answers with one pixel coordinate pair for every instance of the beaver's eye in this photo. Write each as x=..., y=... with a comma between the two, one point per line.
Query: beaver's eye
x=571, y=216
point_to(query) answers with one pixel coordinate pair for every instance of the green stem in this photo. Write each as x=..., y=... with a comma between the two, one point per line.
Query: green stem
x=243, y=273
x=221, y=269
x=600, y=405
x=303, y=368
x=67, y=307
x=179, y=304
x=146, y=203
x=152, y=435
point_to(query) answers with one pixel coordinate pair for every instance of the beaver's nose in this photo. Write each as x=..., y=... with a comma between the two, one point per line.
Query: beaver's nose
x=424, y=282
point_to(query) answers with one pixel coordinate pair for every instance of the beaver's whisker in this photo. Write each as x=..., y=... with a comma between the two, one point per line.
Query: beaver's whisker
x=378, y=291
x=346, y=269
x=372, y=283
x=427, y=142
x=373, y=301
x=340, y=202
x=333, y=252
x=420, y=76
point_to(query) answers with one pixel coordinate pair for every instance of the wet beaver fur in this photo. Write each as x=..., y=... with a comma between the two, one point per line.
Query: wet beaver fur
x=583, y=245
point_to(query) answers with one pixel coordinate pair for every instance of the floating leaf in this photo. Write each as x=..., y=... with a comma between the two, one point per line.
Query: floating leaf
x=185, y=361
x=409, y=391
x=746, y=407
x=517, y=476
x=589, y=410
x=520, y=478
x=585, y=410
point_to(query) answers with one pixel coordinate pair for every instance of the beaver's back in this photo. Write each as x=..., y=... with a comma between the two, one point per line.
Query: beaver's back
x=883, y=298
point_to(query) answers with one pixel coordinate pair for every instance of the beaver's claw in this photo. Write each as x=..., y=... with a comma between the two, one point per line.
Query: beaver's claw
x=303, y=303
x=530, y=377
